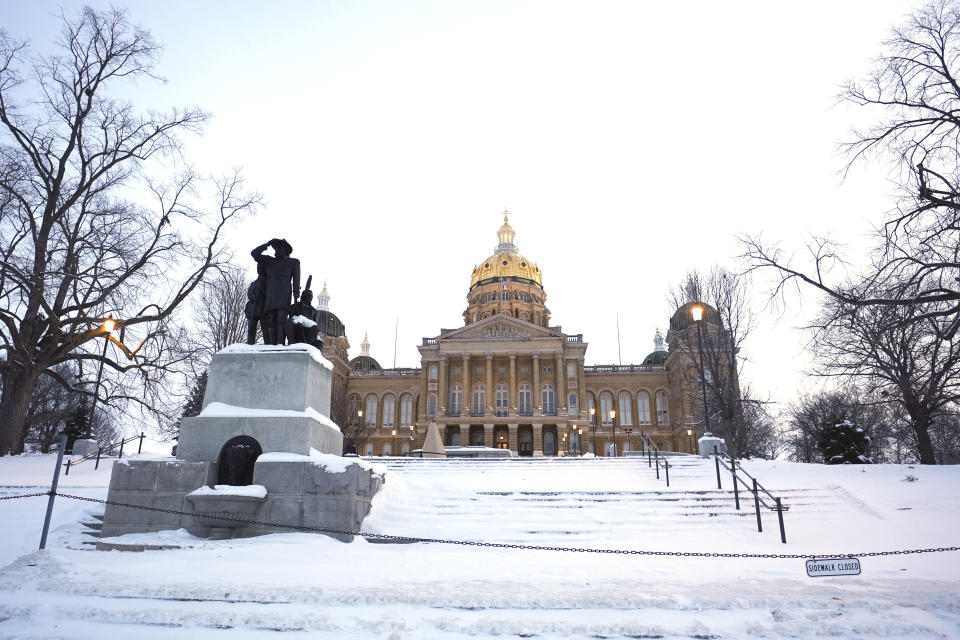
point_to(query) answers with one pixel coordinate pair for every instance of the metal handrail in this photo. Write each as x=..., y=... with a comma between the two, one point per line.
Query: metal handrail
x=655, y=457
x=90, y=456
x=721, y=458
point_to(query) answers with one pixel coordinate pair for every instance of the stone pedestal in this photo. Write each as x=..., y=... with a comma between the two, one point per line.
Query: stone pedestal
x=84, y=446
x=707, y=442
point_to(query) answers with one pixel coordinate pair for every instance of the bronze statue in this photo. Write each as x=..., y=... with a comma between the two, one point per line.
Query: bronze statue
x=281, y=277
x=304, y=319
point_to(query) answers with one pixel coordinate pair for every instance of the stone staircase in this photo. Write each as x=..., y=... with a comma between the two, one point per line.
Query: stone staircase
x=91, y=529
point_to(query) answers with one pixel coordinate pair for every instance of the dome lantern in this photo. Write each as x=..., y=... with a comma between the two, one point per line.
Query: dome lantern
x=506, y=234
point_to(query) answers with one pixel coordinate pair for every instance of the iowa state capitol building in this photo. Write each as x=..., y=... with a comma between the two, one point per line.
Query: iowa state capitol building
x=508, y=379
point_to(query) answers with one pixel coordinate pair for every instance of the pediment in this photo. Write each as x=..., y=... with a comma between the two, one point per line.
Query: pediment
x=499, y=327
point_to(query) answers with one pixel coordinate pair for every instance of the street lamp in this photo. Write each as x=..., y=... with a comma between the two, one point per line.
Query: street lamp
x=613, y=426
x=394, y=447
x=697, y=312
x=593, y=427
x=108, y=326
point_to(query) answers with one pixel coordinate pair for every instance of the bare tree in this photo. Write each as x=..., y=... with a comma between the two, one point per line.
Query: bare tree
x=78, y=243
x=218, y=313
x=890, y=354
x=728, y=321
x=913, y=96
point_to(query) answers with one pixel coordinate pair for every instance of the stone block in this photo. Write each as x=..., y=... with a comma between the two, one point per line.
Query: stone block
x=280, y=477
x=117, y=515
x=84, y=446
x=183, y=477
x=202, y=437
x=285, y=510
x=318, y=480
x=135, y=475
x=288, y=379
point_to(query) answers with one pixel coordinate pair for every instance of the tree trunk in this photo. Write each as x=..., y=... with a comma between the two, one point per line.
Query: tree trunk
x=14, y=404
x=921, y=426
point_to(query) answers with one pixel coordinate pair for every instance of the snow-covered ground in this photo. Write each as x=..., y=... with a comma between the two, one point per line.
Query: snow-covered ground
x=312, y=586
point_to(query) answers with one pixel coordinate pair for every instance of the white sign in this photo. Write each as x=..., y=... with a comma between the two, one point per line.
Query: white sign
x=820, y=567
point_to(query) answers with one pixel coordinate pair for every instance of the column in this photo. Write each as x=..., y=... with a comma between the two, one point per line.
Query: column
x=464, y=435
x=538, y=441
x=560, y=382
x=488, y=435
x=537, y=398
x=512, y=402
x=512, y=437
x=467, y=391
x=442, y=386
x=490, y=394
x=421, y=411
x=581, y=391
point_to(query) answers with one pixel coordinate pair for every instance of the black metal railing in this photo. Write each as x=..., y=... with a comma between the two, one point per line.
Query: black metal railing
x=654, y=459
x=624, y=368
x=771, y=502
x=99, y=453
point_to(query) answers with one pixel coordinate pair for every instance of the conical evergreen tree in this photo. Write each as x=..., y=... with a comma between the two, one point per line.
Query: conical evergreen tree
x=194, y=403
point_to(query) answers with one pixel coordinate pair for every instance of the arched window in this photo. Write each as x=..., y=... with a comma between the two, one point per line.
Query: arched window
x=432, y=404
x=353, y=406
x=626, y=413
x=479, y=399
x=368, y=450
x=405, y=449
x=502, y=400
x=592, y=404
x=523, y=400
x=606, y=406
x=456, y=399
x=548, y=398
x=370, y=412
x=406, y=410
x=643, y=408
x=663, y=408
x=572, y=404
x=385, y=450
x=504, y=296
x=389, y=406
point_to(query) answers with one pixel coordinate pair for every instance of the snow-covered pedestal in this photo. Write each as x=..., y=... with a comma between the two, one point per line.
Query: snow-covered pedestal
x=265, y=416
x=707, y=442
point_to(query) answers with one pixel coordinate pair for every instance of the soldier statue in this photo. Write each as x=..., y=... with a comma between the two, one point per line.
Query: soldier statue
x=304, y=319
x=281, y=278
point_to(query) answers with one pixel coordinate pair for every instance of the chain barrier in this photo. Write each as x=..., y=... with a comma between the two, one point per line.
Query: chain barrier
x=507, y=545
x=26, y=495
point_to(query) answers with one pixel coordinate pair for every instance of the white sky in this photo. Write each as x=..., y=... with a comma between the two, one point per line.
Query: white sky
x=630, y=141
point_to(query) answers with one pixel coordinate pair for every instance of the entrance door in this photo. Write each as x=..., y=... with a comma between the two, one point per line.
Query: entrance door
x=476, y=435
x=549, y=442
x=525, y=441
x=501, y=437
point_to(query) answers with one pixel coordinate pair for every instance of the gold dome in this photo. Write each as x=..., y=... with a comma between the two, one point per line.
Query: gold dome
x=506, y=262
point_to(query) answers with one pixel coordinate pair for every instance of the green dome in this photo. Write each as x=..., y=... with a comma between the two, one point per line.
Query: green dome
x=365, y=363
x=657, y=357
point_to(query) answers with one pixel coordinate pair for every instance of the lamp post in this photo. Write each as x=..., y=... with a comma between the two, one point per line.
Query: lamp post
x=393, y=448
x=108, y=326
x=613, y=427
x=359, y=430
x=697, y=312
x=593, y=427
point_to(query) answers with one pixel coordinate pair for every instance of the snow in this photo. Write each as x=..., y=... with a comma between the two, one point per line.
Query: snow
x=250, y=490
x=315, y=586
x=303, y=321
x=329, y=462
x=272, y=348
x=223, y=410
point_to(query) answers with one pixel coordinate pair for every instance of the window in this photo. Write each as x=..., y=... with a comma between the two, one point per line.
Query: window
x=370, y=413
x=432, y=405
x=548, y=369
x=643, y=408
x=479, y=399
x=389, y=406
x=502, y=399
x=572, y=404
x=504, y=296
x=406, y=410
x=368, y=450
x=353, y=406
x=606, y=406
x=433, y=372
x=547, y=396
x=456, y=398
x=479, y=371
x=524, y=400
x=572, y=371
x=405, y=449
x=456, y=370
x=591, y=404
x=386, y=450
x=663, y=410
x=626, y=413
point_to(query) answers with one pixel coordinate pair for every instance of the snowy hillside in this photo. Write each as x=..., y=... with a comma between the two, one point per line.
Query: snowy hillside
x=313, y=586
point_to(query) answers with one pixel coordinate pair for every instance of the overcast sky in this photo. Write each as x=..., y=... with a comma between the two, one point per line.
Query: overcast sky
x=630, y=141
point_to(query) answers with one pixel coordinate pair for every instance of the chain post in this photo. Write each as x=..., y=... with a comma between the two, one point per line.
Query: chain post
x=783, y=534
x=122, y=442
x=756, y=505
x=67, y=472
x=53, y=493
x=736, y=489
x=716, y=459
x=99, y=451
x=140, y=446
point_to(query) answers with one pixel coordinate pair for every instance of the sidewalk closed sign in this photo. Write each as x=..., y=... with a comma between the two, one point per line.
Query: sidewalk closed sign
x=821, y=567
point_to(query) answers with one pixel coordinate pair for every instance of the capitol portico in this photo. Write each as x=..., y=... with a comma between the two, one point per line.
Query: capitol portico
x=508, y=379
